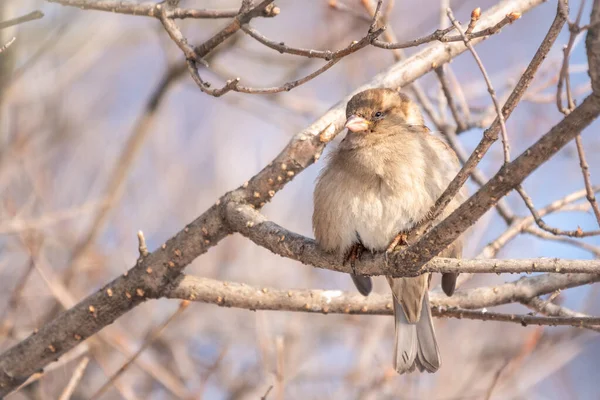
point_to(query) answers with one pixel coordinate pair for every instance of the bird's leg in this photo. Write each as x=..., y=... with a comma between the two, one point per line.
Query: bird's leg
x=400, y=239
x=353, y=254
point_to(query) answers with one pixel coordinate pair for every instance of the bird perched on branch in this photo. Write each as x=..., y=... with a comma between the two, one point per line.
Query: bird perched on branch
x=381, y=181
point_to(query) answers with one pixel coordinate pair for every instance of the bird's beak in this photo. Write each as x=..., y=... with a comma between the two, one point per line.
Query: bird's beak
x=356, y=124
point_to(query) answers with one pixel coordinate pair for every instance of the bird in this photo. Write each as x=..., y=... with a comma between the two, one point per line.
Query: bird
x=381, y=181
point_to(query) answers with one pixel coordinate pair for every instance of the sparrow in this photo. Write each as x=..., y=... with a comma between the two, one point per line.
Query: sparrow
x=379, y=183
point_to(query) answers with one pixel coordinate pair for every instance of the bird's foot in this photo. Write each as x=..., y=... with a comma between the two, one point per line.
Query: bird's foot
x=400, y=239
x=353, y=254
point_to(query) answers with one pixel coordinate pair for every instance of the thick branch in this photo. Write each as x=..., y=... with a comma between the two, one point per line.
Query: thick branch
x=256, y=227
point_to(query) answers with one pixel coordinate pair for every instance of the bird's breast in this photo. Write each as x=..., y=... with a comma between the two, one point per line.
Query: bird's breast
x=372, y=208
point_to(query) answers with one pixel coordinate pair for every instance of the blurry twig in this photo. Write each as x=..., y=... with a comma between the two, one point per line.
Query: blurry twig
x=122, y=167
x=495, y=380
x=461, y=124
x=75, y=378
x=340, y=6
x=264, y=396
x=25, y=18
x=551, y=309
x=17, y=225
x=151, y=338
x=7, y=44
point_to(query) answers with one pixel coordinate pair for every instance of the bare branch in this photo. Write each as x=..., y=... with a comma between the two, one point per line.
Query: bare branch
x=585, y=170
x=490, y=135
x=518, y=319
x=440, y=35
x=460, y=305
x=488, y=82
x=551, y=309
x=540, y=222
x=245, y=15
x=595, y=250
x=152, y=9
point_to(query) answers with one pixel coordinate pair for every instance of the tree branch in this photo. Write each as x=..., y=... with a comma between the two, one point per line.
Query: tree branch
x=152, y=9
x=252, y=224
x=460, y=305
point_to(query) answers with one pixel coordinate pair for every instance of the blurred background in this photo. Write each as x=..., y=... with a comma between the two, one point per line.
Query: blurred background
x=102, y=136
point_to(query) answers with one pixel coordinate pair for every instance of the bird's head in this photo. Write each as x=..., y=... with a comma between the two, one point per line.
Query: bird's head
x=378, y=110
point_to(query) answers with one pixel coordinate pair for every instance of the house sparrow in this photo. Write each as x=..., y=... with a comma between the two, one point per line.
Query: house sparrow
x=380, y=182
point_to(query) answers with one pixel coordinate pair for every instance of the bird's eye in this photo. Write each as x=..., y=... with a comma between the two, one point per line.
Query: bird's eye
x=378, y=114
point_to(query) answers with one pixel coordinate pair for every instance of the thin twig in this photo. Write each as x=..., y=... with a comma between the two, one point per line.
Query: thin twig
x=264, y=396
x=490, y=135
x=252, y=224
x=495, y=380
x=75, y=378
x=564, y=76
x=415, y=88
x=149, y=9
x=461, y=124
x=7, y=44
x=585, y=170
x=151, y=338
x=440, y=35
x=595, y=250
x=488, y=82
x=540, y=222
x=233, y=84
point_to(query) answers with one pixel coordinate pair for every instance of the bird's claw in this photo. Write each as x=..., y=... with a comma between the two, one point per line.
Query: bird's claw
x=400, y=239
x=353, y=254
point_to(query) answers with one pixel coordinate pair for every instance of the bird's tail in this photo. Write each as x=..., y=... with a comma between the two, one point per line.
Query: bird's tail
x=415, y=343
x=363, y=284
